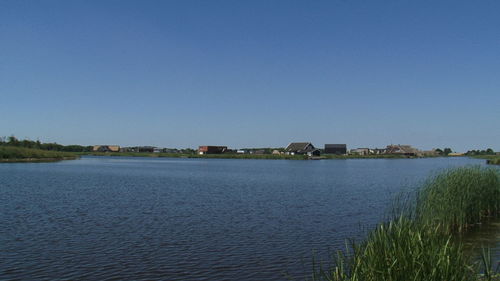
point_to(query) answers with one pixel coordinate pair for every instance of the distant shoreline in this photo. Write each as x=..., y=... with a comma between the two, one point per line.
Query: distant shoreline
x=250, y=156
x=36, y=160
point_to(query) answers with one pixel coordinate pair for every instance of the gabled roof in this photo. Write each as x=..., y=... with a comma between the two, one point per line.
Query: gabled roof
x=114, y=148
x=298, y=146
x=401, y=149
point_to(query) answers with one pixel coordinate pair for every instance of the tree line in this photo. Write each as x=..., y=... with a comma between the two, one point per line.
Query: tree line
x=488, y=151
x=13, y=141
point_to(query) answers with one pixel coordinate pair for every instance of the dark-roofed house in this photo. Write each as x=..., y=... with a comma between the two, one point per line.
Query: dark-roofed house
x=339, y=149
x=302, y=148
x=211, y=149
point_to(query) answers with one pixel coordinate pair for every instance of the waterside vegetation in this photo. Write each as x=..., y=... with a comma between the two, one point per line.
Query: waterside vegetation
x=12, y=141
x=22, y=154
x=418, y=242
x=490, y=159
x=494, y=161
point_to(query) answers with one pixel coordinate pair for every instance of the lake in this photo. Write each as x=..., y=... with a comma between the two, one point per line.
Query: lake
x=112, y=218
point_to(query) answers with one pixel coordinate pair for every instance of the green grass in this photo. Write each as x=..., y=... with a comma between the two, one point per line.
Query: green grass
x=10, y=153
x=418, y=243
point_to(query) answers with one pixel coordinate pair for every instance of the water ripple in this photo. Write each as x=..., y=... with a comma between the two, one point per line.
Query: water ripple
x=184, y=219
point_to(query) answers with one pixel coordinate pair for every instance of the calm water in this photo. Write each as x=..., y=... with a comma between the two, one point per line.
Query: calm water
x=188, y=219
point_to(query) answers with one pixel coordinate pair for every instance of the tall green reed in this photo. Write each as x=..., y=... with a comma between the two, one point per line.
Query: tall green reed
x=459, y=198
x=417, y=243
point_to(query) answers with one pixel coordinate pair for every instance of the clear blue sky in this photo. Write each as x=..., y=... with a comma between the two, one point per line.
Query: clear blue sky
x=252, y=73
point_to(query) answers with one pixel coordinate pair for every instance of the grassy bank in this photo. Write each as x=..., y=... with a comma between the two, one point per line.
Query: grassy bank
x=418, y=243
x=21, y=154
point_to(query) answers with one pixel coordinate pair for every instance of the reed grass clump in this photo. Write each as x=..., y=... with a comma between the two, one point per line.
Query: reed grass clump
x=401, y=250
x=459, y=198
x=494, y=161
x=418, y=243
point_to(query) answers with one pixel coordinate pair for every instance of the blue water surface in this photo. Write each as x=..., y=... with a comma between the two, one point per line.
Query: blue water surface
x=115, y=218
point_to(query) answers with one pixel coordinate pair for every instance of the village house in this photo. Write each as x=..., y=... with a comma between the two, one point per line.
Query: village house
x=406, y=150
x=211, y=149
x=360, y=151
x=302, y=148
x=170, y=150
x=339, y=149
x=106, y=148
x=379, y=151
x=432, y=152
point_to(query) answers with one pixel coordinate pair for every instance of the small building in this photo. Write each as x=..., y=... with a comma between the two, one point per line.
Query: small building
x=106, y=148
x=211, y=149
x=302, y=148
x=400, y=149
x=125, y=149
x=379, y=151
x=360, y=151
x=339, y=149
x=170, y=150
x=315, y=152
x=146, y=149
x=276, y=152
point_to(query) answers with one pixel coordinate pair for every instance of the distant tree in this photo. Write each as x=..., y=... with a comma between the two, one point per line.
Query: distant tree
x=439, y=151
x=447, y=151
x=490, y=151
x=12, y=140
x=188, y=151
x=470, y=152
x=27, y=143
